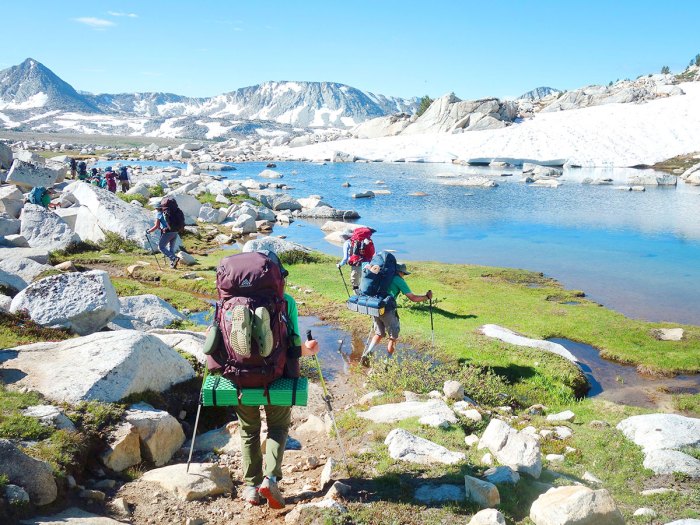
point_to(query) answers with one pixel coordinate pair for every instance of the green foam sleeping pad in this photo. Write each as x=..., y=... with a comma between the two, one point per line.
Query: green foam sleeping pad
x=219, y=391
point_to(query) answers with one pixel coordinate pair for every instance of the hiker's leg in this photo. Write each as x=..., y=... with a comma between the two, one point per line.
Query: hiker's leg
x=355, y=274
x=251, y=455
x=278, y=419
x=165, y=244
x=379, y=332
x=393, y=327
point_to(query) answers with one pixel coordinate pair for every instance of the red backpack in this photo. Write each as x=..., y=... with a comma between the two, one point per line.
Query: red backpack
x=361, y=246
x=247, y=282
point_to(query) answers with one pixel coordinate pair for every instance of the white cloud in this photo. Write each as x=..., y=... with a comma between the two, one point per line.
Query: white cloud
x=95, y=23
x=117, y=13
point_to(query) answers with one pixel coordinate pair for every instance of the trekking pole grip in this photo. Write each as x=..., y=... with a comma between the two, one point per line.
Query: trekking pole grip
x=309, y=337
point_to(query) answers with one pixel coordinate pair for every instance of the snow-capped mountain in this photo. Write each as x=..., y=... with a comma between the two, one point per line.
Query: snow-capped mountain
x=539, y=93
x=34, y=98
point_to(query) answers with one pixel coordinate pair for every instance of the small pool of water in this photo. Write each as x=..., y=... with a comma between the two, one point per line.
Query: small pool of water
x=623, y=384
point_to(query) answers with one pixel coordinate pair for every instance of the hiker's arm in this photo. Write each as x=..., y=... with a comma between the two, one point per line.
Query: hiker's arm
x=420, y=298
x=155, y=227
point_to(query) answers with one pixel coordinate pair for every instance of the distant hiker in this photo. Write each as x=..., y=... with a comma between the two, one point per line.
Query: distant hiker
x=170, y=221
x=388, y=323
x=261, y=343
x=82, y=170
x=111, y=180
x=124, y=182
x=358, y=249
x=73, y=167
x=39, y=196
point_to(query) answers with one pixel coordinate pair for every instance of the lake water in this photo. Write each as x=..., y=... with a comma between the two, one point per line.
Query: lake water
x=635, y=252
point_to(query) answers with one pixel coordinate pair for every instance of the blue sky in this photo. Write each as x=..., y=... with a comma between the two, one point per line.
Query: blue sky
x=400, y=48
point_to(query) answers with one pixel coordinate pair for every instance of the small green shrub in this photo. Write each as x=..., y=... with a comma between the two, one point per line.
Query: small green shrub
x=4, y=481
x=239, y=199
x=75, y=249
x=156, y=190
x=115, y=243
x=133, y=197
x=94, y=416
x=302, y=257
x=64, y=451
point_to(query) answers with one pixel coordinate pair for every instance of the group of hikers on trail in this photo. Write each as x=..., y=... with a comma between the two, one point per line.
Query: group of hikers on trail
x=377, y=280
x=108, y=179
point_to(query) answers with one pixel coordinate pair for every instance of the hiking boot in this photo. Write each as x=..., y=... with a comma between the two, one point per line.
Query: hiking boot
x=250, y=495
x=241, y=330
x=262, y=333
x=173, y=262
x=272, y=494
x=364, y=361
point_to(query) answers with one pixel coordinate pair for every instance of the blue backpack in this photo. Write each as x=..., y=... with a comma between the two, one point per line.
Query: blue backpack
x=36, y=195
x=377, y=275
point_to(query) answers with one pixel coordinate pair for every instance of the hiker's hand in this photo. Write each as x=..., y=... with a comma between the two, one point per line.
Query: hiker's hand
x=309, y=348
x=429, y=295
x=338, y=266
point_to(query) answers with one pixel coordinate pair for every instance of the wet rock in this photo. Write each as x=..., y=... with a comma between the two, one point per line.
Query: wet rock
x=575, y=505
x=407, y=447
x=35, y=476
x=481, y=492
x=203, y=480
x=508, y=336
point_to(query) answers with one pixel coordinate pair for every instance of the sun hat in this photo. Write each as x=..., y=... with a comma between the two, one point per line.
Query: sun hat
x=401, y=268
x=346, y=234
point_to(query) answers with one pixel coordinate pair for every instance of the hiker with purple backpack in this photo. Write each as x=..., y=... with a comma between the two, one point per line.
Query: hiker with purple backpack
x=259, y=342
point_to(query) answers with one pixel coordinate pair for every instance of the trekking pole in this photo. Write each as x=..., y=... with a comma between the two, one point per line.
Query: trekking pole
x=329, y=406
x=432, y=330
x=148, y=238
x=344, y=283
x=196, y=421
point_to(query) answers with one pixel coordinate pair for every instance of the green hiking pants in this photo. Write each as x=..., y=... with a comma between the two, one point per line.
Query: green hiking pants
x=278, y=419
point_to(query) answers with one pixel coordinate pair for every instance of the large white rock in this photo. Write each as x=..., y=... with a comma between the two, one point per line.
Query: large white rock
x=160, y=433
x=661, y=431
x=518, y=450
x=189, y=205
x=274, y=244
x=226, y=440
x=246, y=223
x=508, y=336
x=280, y=202
x=183, y=340
x=430, y=493
x=11, y=200
x=83, y=223
x=690, y=521
x=33, y=475
x=407, y=447
x=212, y=215
x=575, y=505
x=40, y=255
x=393, y=412
x=145, y=311
x=662, y=461
x=106, y=366
x=113, y=214
x=5, y=156
x=29, y=175
x=83, y=302
x=203, y=480
x=25, y=269
x=50, y=416
x=44, y=229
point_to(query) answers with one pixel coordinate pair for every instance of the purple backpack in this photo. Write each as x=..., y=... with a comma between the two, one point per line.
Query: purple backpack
x=250, y=281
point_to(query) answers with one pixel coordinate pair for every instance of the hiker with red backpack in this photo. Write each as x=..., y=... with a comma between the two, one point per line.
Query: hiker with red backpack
x=170, y=221
x=358, y=249
x=260, y=343
x=111, y=180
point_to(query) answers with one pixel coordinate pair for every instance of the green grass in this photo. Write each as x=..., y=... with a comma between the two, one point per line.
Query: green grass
x=209, y=198
x=156, y=190
x=133, y=197
x=13, y=425
x=18, y=330
x=689, y=403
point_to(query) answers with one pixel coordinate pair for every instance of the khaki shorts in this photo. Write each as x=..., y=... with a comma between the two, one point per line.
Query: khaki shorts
x=388, y=323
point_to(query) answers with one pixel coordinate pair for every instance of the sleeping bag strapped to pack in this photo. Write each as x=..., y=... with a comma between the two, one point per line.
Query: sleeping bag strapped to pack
x=374, y=297
x=173, y=215
x=252, y=316
x=361, y=246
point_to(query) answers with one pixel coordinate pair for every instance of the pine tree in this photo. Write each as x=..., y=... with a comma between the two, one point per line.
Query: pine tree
x=665, y=70
x=424, y=105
